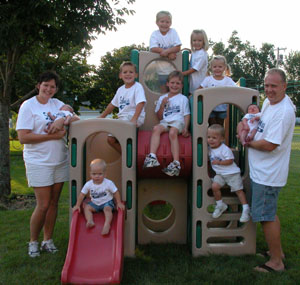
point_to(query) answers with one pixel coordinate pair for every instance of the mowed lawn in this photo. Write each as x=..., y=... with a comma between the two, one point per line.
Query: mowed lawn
x=154, y=264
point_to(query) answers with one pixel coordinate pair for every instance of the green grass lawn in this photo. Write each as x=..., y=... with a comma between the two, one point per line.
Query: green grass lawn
x=154, y=264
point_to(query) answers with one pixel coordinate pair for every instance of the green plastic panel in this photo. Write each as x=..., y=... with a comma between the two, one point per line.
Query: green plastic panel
x=134, y=58
x=185, y=66
x=129, y=195
x=200, y=110
x=73, y=193
x=129, y=153
x=199, y=193
x=199, y=152
x=198, y=235
x=74, y=152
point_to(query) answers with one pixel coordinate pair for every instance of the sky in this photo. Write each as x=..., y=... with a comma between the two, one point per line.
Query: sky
x=257, y=21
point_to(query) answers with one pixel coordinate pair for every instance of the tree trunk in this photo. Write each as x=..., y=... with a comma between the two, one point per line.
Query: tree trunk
x=5, y=188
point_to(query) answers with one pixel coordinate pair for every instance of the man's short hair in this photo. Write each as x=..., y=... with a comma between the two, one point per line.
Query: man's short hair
x=278, y=71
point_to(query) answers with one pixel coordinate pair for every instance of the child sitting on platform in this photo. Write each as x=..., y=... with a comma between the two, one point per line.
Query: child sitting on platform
x=103, y=192
x=172, y=109
x=130, y=99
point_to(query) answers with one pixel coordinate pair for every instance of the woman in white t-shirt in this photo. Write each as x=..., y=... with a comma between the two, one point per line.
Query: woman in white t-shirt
x=46, y=158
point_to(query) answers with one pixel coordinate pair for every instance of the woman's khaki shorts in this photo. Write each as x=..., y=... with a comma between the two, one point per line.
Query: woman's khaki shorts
x=45, y=175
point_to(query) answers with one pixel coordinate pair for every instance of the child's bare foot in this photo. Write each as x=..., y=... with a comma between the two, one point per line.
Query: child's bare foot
x=90, y=224
x=105, y=229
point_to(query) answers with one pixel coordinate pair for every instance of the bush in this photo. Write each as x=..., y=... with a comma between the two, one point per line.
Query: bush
x=13, y=134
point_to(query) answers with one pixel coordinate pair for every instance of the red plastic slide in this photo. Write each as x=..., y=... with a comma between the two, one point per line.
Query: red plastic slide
x=91, y=257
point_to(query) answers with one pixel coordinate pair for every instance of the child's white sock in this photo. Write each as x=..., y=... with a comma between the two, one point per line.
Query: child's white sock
x=152, y=155
x=245, y=207
x=176, y=162
x=219, y=203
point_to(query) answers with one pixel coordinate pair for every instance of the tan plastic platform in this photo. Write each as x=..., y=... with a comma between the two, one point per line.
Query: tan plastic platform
x=93, y=135
x=224, y=235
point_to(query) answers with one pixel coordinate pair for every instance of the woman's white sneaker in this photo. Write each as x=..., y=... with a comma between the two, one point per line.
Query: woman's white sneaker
x=33, y=249
x=48, y=246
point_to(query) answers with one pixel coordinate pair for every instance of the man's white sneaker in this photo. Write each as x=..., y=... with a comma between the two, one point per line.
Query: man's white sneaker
x=245, y=217
x=219, y=210
x=48, y=246
x=33, y=249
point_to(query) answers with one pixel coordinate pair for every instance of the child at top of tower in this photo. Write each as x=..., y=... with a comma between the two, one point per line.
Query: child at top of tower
x=129, y=98
x=218, y=66
x=247, y=128
x=103, y=192
x=199, y=59
x=165, y=40
x=227, y=172
x=172, y=109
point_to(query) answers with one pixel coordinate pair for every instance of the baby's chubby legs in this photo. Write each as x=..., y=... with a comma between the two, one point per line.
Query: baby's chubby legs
x=108, y=218
x=88, y=213
x=113, y=142
x=243, y=136
x=251, y=135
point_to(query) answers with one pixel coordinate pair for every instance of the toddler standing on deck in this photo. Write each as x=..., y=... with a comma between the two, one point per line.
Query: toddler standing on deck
x=218, y=66
x=199, y=59
x=227, y=172
x=103, y=192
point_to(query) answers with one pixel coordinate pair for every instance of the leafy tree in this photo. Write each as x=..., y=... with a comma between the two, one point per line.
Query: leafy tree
x=56, y=25
x=106, y=78
x=292, y=67
x=245, y=60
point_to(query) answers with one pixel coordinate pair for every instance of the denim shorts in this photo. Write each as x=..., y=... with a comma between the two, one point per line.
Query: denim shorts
x=101, y=207
x=264, y=202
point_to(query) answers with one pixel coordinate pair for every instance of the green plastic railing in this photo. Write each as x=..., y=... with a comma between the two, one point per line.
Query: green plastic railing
x=185, y=66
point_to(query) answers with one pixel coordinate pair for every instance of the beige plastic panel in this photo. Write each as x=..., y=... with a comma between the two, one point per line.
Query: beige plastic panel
x=145, y=59
x=94, y=133
x=172, y=229
x=221, y=236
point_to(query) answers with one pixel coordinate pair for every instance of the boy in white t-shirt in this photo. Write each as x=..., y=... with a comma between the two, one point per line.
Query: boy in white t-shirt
x=172, y=109
x=227, y=172
x=103, y=192
x=129, y=98
x=247, y=128
x=164, y=41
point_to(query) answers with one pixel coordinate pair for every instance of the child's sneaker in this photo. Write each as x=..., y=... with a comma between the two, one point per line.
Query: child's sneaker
x=245, y=217
x=173, y=169
x=150, y=161
x=219, y=210
x=33, y=249
x=48, y=246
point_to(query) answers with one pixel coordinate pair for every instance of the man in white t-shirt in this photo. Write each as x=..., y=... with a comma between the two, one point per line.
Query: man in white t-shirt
x=269, y=154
